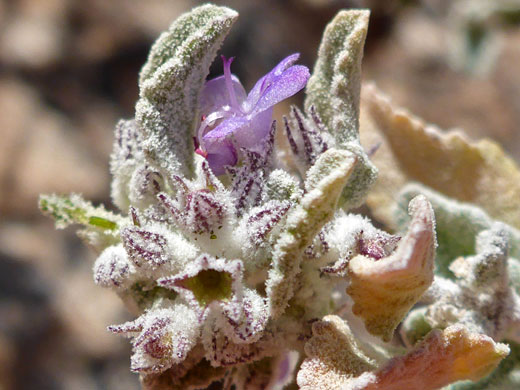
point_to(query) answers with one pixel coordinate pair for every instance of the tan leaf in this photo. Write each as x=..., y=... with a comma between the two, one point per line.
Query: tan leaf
x=444, y=357
x=385, y=290
x=334, y=356
x=476, y=172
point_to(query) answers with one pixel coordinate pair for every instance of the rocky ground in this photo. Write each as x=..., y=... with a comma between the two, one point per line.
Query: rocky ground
x=68, y=71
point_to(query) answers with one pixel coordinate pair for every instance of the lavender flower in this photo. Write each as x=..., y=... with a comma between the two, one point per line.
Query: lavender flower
x=232, y=120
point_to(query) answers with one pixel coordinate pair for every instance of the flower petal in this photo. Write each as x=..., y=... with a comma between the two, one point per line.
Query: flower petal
x=251, y=135
x=220, y=155
x=224, y=129
x=283, y=86
x=266, y=80
x=215, y=94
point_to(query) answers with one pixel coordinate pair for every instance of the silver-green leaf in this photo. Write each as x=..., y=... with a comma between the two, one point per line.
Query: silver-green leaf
x=335, y=85
x=334, y=92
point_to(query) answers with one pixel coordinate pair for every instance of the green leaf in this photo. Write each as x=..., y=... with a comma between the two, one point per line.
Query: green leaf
x=360, y=182
x=101, y=226
x=171, y=81
x=415, y=326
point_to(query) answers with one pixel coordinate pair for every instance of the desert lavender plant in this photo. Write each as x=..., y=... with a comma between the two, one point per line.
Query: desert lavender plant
x=239, y=256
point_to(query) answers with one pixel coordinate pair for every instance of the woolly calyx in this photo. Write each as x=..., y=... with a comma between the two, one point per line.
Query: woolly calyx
x=207, y=280
x=113, y=269
x=154, y=248
x=214, y=288
x=222, y=350
x=160, y=338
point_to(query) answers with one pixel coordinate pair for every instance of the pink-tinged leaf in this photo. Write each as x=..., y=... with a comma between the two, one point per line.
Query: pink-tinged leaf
x=385, y=289
x=443, y=357
x=337, y=360
x=333, y=356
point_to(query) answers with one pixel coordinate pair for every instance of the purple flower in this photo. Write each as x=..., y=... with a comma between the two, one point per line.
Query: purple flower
x=232, y=120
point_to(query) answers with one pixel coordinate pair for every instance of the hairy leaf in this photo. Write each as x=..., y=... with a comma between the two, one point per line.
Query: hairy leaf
x=333, y=95
x=333, y=356
x=334, y=87
x=325, y=181
x=505, y=377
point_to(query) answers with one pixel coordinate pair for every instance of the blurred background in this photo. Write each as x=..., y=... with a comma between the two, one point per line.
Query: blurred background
x=68, y=71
